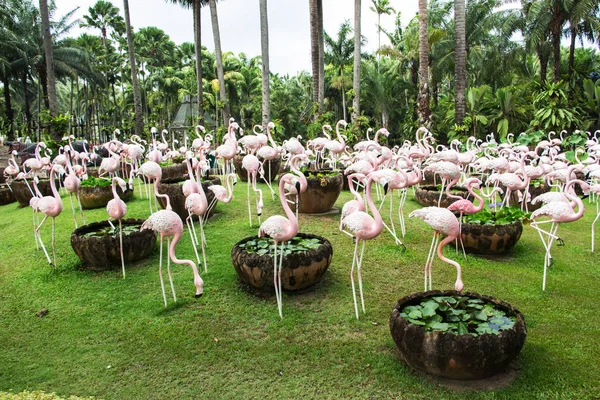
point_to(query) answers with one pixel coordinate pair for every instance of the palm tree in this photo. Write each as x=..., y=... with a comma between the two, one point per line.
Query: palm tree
x=381, y=7
x=219, y=60
x=196, y=6
x=317, y=51
x=137, y=101
x=460, y=60
x=51, y=82
x=264, y=41
x=584, y=22
x=423, y=111
x=356, y=78
x=339, y=55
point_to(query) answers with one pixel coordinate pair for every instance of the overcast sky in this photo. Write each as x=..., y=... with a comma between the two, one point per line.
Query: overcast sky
x=289, y=32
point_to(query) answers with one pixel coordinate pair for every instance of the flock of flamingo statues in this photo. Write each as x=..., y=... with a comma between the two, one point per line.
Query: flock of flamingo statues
x=507, y=168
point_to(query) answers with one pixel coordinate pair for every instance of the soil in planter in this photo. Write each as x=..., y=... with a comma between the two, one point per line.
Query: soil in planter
x=6, y=195
x=428, y=196
x=300, y=270
x=97, y=244
x=456, y=356
x=98, y=196
x=173, y=189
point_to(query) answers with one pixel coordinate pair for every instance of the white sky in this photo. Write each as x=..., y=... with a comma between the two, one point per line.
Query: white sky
x=289, y=33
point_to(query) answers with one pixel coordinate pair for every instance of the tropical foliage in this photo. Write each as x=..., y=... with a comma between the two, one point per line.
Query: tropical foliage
x=512, y=86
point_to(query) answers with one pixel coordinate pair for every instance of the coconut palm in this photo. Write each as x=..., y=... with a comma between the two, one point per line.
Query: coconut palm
x=139, y=119
x=424, y=111
x=264, y=45
x=380, y=7
x=460, y=60
x=50, y=80
x=339, y=56
x=356, y=77
x=219, y=60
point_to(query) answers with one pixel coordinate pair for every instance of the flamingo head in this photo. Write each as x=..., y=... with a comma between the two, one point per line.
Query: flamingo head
x=459, y=285
x=200, y=128
x=153, y=130
x=122, y=184
x=199, y=283
x=271, y=125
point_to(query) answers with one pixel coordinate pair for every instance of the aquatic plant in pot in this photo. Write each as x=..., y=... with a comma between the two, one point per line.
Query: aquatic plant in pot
x=305, y=260
x=322, y=191
x=97, y=192
x=457, y=335
x=493, y=231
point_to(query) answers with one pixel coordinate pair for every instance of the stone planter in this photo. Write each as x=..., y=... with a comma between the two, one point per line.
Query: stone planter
x=428, y=196
x=101, y=252
x=300, y=270
x=320, y=194
x=490, y=239
x=173, y=189
x=534, y=191
x=99, y=196
x=243, y=174
x=456, y=356
x=22, y=193
x=173, y=172
x=6, y=195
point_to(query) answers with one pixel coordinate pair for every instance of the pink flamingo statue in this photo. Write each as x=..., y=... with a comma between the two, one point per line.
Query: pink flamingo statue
x=197, y=204
x=222, y=194
x=152, y=171
x=464, y=206
x=357, y=204
x=168, y=224
x=251, y=164
x=116, y=209
x=363, y=228
x=72, y=184
x=336, y=147
x=280, y=229
x=51, y=206
x=558, y=212
x=443, y=222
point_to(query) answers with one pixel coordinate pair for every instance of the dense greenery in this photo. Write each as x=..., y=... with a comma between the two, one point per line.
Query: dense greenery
x=113, y=338
x=508, y=86
x=266, y=245
x=459, y=315
x=95, y=182
x=499, y=216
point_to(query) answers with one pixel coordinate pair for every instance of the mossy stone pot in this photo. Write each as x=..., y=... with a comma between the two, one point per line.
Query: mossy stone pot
x=456, y=356
x=428, y=196
x=98, y=196
x=243, y=174
x=299, y=271
x=174, y=189
x=534, y=191
x=6, y=195
x=320, y=195
x=22, y=193
x=174, y=171
x=102, y=253
x=490, y=239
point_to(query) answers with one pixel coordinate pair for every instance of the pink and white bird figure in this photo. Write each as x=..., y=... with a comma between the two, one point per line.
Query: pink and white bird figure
x=356, y=204
x=168, y=224
x=280, y=229
x=116, y=209
x=363, y=227
x=443, y=222
x=51, y=206
x=222, y=194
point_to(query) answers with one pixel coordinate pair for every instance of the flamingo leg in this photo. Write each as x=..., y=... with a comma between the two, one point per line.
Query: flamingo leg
x=401, y=212
x=37, y=246
x=121, y=247
x=429, y=257
x=162, y=283
x=39, y=235
x=169, y=270
x=193, y=230
x=437, y=240
x=73, y=209
x=360, y=286
x=352, y=277
x=460, y=236
x=280, y=303
x=203, y=243
x=80, y=209
x=275, y=274
x=194, y=243
x=442, y=191
x=54, y=243
x=249, y=208
x=593, y=228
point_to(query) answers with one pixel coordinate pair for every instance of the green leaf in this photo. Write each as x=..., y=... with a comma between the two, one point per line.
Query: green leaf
x=462, y=328
x=440, y=326
x=415, y=314
x=480, y=315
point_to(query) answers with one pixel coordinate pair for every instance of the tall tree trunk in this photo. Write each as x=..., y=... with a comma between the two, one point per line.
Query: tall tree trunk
x=264, y=45
x=572, y=52
x=26, y=100
x=460, y=63
x=344, y=99
x=8, y=105
x=219, y=59
x=424, y=112
x=137, y=102
x=314, y=47
x=543, y=66
x=356, y=78
x=321, y=91
x=197, y=7
x=50, y=80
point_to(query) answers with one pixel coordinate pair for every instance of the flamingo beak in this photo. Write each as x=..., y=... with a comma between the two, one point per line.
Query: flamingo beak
x=385, y=188
x=297, y=187
x=198, y=295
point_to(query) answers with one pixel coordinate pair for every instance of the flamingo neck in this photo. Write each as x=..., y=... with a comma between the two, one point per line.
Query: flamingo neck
x=53, y=186
x=291, y=216
x=448, y=239
x=479, y=206
x=229, y=188
x=376, y=216
x=114, y=189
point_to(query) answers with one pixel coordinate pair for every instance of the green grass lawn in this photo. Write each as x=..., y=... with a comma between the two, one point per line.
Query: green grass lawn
x=113, y=338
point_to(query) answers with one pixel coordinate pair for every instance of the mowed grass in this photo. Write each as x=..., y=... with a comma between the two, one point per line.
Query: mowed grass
x=113, y=338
